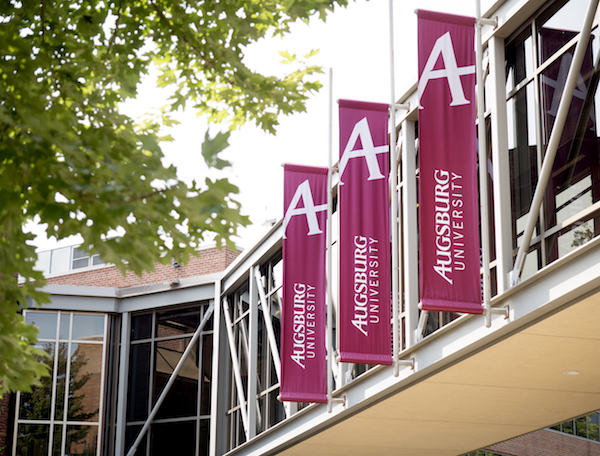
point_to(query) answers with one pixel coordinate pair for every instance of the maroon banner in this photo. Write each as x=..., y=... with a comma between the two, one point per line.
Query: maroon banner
x=303, y=352
x=364, y=207
x=449, y=214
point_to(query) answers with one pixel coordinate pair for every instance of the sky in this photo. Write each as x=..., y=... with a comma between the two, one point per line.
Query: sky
x=354, y=43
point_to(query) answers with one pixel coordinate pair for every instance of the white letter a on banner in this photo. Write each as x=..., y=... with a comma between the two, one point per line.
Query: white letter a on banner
x=444, y=47
x=309, y=210
x=369, y=151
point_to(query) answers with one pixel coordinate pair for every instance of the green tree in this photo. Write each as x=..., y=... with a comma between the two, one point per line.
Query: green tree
x=69, y=157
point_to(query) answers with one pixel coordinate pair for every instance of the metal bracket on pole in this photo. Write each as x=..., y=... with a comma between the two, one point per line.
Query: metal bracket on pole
x=407, y=362
x=491, y=22
x=335, y=400
x=403, y=106
x=505, y=311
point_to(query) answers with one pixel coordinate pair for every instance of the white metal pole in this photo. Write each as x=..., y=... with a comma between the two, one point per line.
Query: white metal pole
x=557, y=130
x=172, y=379
x=394, y=202
x=483, y=170
x=329, y=335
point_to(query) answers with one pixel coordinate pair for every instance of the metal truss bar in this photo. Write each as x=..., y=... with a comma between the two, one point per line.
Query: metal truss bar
x=553, y=143
x=172, y=379
x=268, y=323
x=236, y=367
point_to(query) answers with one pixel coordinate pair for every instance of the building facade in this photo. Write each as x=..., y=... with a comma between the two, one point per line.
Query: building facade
x=462, y=384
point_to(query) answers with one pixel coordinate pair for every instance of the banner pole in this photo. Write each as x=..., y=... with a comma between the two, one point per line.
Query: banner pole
x=329, y=255
x=394, y=202
x=483, y=172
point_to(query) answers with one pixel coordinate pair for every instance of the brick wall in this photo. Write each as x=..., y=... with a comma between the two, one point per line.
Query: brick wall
x=210, y=261
x=547, y=443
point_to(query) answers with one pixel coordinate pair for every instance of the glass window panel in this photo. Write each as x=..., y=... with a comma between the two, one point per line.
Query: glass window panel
x=36, y=405
x=88, y=327
x=567, y=240
x=84, y=384
x=171, y=323
x=522, y=156
x=33, y=440
x=244, y=302
x=139, y=382
x=581, y=427
x=182, y=397
x=96, y=260
x=57, y=444
x=559, y=24
x=204, y=439
x=65, y=324
x=130, y=435
x=592, y=424
x=141, y=327
x=45, y=323
x=173, y=438
x=82, y=440
x=81, y=263
x=519, y=60
x=263, y=360
x=205, y=391
x=567, y=427
x=61, y=377
x=79, y=253
x=209, y=323
x=276, y=410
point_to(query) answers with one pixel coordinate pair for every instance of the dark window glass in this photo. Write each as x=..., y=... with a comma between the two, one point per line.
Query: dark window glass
x=82, y=440
x=32, y=440
x=139, y=382
x=276, y=410
x=173, y=438
x=177, y=322
x=558, y=25
x=519, y=60
x=61, y=378
x=57, y=445
x=141, y=327
x=182, y=397
x=131, y=435
x=36, y=405
x=204, y=438
x=207, y=348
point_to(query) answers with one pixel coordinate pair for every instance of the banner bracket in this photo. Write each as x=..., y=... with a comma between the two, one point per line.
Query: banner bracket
x=403, y=106
x=505, y=310
x=407, y=362
x=491, y=22
x=335, y=400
